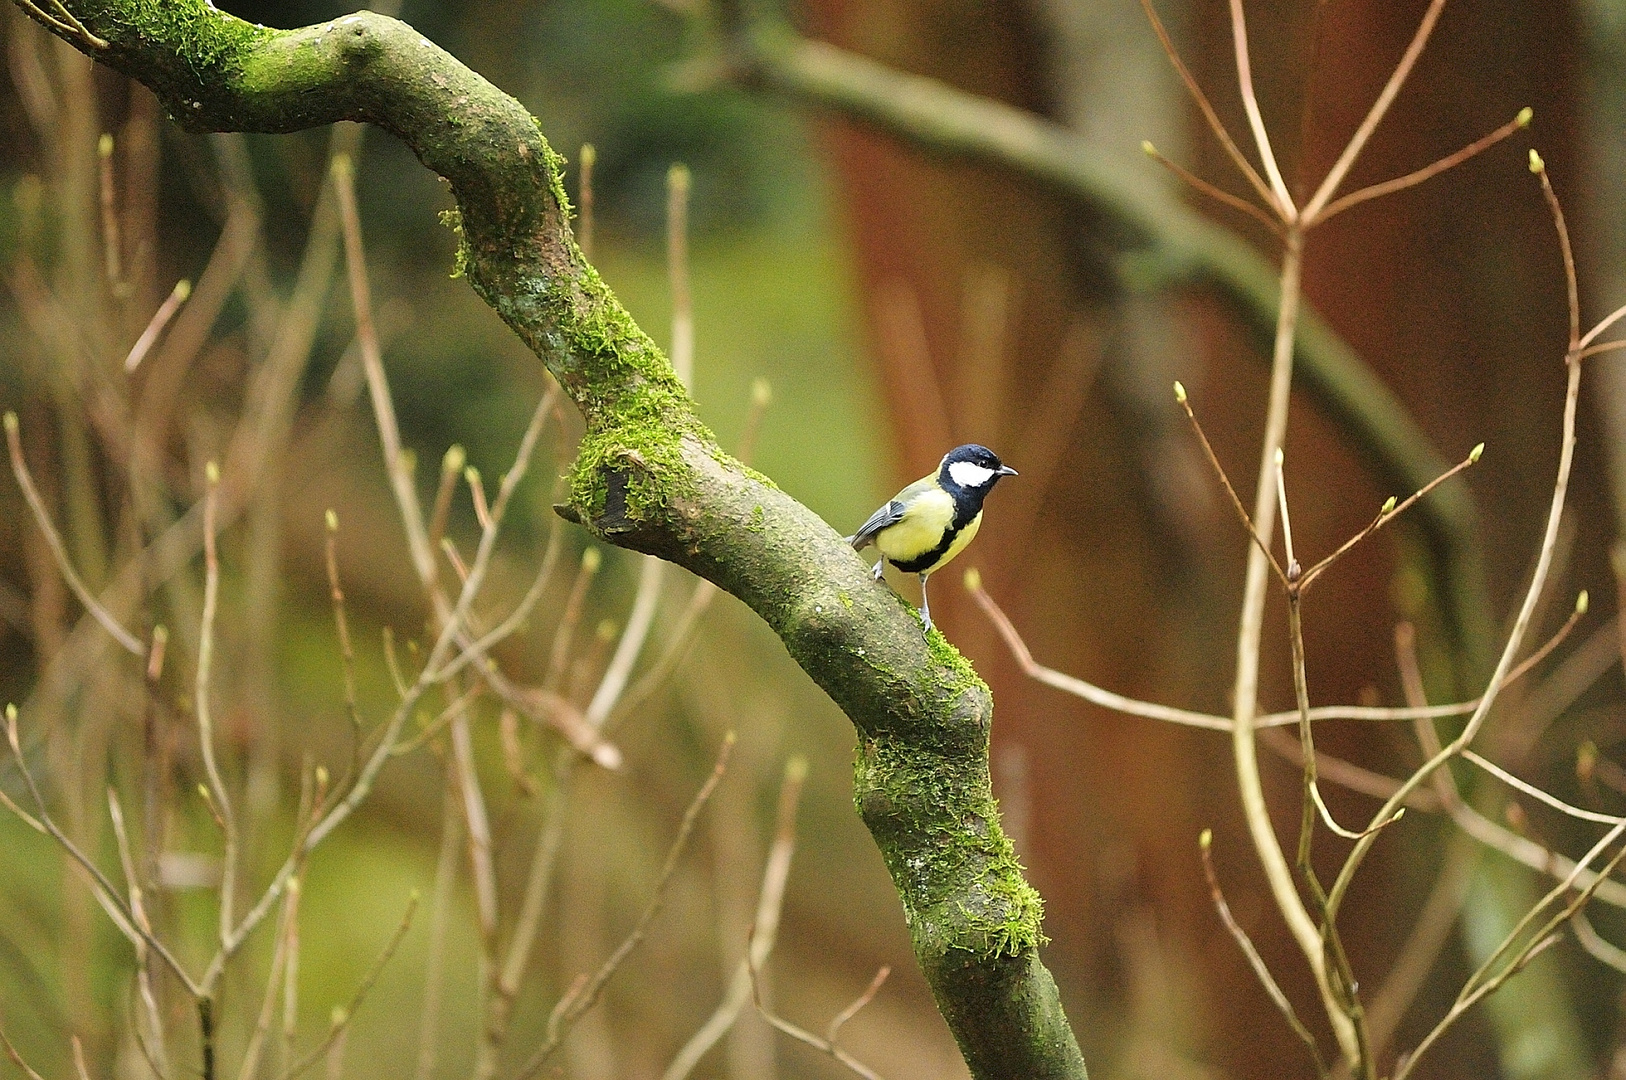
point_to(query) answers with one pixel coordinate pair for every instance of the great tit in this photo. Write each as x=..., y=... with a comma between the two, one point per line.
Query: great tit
x=933, y=519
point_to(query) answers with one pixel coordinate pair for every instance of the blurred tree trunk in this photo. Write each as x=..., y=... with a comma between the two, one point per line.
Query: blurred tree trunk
x=1452, y=292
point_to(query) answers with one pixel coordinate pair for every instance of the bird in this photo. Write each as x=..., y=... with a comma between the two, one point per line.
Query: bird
x=929, y=522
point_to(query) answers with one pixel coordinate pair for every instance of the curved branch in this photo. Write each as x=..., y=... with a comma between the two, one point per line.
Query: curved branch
x=651, y=477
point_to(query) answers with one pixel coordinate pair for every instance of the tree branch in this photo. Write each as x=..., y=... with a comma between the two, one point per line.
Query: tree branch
x=650, y=477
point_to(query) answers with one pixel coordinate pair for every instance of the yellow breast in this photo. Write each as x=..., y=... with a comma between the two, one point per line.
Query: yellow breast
x=921, y=531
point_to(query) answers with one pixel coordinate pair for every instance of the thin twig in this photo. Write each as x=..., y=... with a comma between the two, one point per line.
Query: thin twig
x=584, y=195
x=155, y=326
x=1260, y=541
x=1205, y=844
x=1232, y=151
x=823, y=1045
x=1218, y=194
x=59, y=552
x=584, y=995
x=770, y=899
x=138, y=913
x=1388, y=512
x=1537, y=793
x=112, y=244
x=1428, y=172
x=677, y=269
x=104, y=889
x=1544, y=558
x=206, y=732
x=1478, y=987
x=1335, y=176
x=1604, y=952
x=1250, y=105
x=343, y=1016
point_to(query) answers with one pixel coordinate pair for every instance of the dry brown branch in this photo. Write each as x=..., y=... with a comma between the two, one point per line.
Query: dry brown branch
x=1483, y=982
x=220, y=799
x=343, y=1016
x=765, y=930
x=1205, y=844
x=1428, y=172
x=1599, y=949
x=1515, y=638
x=584, y=196
x=105, y=891
x=1215, y=193
x=1313, y=210
x=155, y=326
x=59, y=552
x=584, y=994
x=826, y=1045
x=1250, y=105
x=1232, y=151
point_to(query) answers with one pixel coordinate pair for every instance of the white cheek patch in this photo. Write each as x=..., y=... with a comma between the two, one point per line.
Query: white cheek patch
x=968, y=474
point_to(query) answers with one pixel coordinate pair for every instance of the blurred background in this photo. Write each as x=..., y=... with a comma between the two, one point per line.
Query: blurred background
x=897, y=302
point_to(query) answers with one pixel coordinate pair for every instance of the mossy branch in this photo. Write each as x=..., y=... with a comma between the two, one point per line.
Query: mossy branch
x=651, y=477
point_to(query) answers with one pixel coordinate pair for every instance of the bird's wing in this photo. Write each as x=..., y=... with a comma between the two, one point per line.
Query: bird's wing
x=890, y=514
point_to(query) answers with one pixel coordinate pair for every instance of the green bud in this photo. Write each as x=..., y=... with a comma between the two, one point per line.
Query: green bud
x=1473, y=455
x=1523, y=119
x=1179, y=392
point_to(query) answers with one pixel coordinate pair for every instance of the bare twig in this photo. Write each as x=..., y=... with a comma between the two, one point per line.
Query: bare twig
x=104, y=889
x=585, y=993
x=1428, y=172
x=1205, y=844
x=343, y=1016
x=765, y=929
x=53, y=540
x=1215, y=193
x=62, y=22
x=1600, y=950
x=138, y=913
x=1232, y=151
x=1483, y=983
x=1544, y=558
x=823, y=1045
x=584, y=195
x=112, y=244
x=1340, y=169
x=155, y=326
x=677, y=269
x=1388, y=512
x=1244, y=77
x=206, y=733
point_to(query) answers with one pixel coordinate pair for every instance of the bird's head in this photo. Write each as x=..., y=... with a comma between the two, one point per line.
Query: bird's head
x=972, y=468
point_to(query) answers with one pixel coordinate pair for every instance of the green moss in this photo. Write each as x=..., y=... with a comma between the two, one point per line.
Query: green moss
x=758, y=519
x=954, y=670
x=555, y=163
x=453, y=220
x=206, y=41
x=846, y=600
x=937, y=825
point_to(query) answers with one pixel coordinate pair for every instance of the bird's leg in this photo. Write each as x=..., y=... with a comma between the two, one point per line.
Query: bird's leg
x=925, y=603
x=880, y=568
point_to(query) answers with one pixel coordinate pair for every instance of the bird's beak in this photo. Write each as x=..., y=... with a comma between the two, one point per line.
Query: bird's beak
x=1006, y=470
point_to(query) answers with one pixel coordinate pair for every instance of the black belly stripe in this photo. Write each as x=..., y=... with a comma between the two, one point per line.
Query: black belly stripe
x=964, y=514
